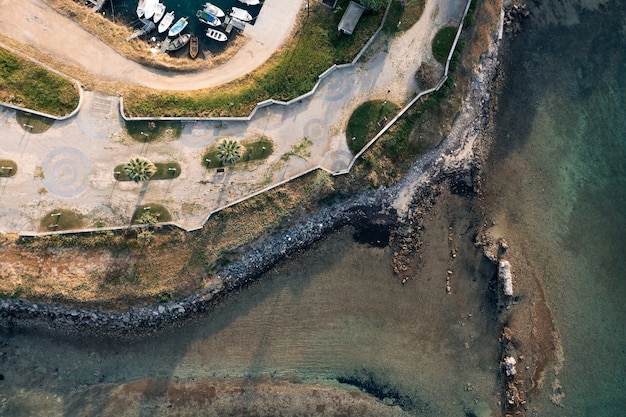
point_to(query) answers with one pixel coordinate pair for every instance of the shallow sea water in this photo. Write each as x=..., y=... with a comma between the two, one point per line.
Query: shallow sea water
x=337, y=311
x=559, y=174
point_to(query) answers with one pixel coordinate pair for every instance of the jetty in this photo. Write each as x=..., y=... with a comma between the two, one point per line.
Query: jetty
x=97, y=4
x=148, y=26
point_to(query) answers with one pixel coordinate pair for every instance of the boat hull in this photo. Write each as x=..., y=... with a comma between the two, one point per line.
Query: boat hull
x=158, y=14
x=166, y=22
x=179, y=42
x=214, y=10
x=216, y=35
x=240, y=14
x=194, y=47
x=208, y=18
x=178, y=27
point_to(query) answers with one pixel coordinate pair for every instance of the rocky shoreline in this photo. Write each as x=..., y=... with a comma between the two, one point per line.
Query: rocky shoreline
x=456, y=160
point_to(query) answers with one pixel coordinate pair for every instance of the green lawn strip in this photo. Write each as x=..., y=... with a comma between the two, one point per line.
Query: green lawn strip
x=252, y=151
x=8, y=168
x=61, y=219
x=366, y=121
x=163, y=171
x=26, y=84
x=442, y=43
x=159, y=211
x=149, y=130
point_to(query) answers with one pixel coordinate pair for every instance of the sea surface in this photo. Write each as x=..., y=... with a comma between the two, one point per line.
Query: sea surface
x=558, y=173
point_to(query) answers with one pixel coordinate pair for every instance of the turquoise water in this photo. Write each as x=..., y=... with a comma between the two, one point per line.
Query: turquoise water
x=558, y=179
x=559, y=169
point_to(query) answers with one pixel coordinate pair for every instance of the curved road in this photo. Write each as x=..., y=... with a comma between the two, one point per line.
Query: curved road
x=35, y=23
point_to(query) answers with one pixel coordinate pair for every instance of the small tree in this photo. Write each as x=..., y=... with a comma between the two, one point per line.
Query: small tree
x=229, y=152
x=139, y=169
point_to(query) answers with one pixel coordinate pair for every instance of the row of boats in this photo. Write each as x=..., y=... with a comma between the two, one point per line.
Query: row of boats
x=152, y=12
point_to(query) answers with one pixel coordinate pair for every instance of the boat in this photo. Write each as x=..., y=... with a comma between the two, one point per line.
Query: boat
x=214, y=10
x=158, y=12
x=178, y=27
x=251, y=2
x=208, y=18
x=166, y=22
x=179, y=42
x=216, y=35
x=240, y=14
x=149, y=8
x=194, y=47
x=140, y=6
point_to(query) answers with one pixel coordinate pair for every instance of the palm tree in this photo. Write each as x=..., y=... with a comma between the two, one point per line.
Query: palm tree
x=229, y=151
x=139, y=169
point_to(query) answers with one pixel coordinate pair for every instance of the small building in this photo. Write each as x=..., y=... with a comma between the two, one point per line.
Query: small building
x=350, y=18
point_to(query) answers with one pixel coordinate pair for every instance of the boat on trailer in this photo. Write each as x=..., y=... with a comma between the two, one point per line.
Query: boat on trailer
x=208, y=18
x=216, y=35
x=214, y=10
x=178, y=27
x=194, y=46
x=240, y=14
x=166, y=22
x=159, y=12
x=179, y=42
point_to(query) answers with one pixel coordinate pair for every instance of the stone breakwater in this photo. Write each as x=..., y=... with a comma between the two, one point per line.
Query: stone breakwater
x=458, y=158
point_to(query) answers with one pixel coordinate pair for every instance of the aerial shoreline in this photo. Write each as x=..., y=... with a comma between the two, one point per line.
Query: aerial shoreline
x=458, y=156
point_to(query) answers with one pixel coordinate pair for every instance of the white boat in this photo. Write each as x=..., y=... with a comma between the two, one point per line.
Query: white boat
x=214, y=10
x=251, y=2
x=166, y=22
x=208, y=18
x=240, y=14
x=159, y=12
x=216, y=35
x=178, y=27
x=149, y=8
x=140, y=8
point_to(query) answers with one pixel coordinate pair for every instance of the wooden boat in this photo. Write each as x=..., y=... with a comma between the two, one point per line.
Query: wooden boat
x=216, y=35
x=149, y=8
x=140, y=8
x=194, y=47
x=166, y=22
x=251, y=2
x=240, y=14
x=159, y=12
x=214, y=10
x=208, y=18
x=178, y=27
x=179, y=42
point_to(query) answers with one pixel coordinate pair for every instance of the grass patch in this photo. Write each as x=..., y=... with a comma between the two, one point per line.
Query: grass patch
x=149, y=130
x=33, y=123
x=163, y=171
x=402, y=15
x=366, y=121
x=61, y=219
x=26, y=84
x=442, y=43
x=315, y=48
x=158, y=211
x=253, y=150
x=8, y=168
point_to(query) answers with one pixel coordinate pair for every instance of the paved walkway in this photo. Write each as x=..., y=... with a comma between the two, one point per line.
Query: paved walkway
x=71, y=165
x=34, y=22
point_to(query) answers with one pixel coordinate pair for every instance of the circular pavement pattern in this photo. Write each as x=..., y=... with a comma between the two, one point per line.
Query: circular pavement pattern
x=314, y=130
x=66, y=172
x=199, y=134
